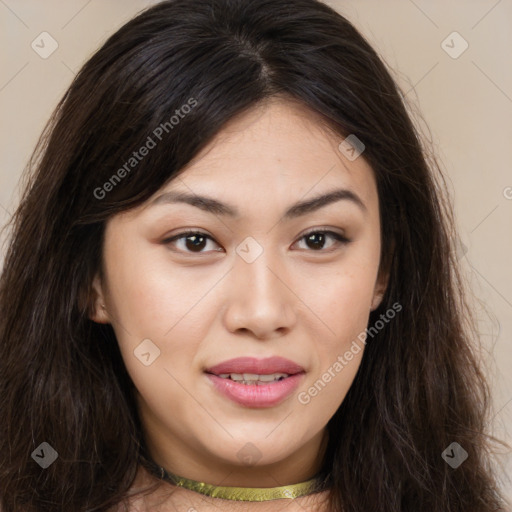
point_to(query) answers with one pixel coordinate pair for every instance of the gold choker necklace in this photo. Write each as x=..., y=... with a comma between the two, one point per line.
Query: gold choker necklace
x=244, y=493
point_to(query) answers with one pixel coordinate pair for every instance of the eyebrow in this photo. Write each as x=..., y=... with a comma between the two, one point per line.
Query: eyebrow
x=211, y=205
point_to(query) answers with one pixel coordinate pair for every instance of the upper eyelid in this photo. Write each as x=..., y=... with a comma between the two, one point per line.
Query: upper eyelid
x=207, y=235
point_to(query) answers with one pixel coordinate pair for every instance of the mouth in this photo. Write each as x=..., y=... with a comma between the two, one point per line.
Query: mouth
x=256, y=382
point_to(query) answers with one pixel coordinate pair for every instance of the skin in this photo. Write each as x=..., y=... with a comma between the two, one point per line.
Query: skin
x=304, y=301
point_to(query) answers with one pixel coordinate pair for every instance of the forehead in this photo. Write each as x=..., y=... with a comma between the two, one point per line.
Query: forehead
x=277, y=135
x=274, y=153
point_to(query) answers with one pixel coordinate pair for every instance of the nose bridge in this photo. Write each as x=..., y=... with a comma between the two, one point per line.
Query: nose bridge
x=256, y=266
x=260, y=299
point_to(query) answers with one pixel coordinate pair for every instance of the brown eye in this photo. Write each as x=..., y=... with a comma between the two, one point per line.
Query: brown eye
x=316, y=240
x=193, y=241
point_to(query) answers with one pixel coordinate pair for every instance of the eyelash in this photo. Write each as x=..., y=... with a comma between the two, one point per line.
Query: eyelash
x=184, y=234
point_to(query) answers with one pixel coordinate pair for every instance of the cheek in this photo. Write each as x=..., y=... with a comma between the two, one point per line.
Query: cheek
x=150, y=296
x=343, y=300
x=345, y=311
x=337, y=357
x=156, y=302
x=343, y=296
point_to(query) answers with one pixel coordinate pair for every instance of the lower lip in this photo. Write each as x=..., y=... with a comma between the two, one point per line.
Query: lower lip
x=254, y=395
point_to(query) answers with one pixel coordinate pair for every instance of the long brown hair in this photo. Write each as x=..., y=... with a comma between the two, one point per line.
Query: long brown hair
x=63, y=381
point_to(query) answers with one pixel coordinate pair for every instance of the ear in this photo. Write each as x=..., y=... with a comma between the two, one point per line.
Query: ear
x=380, y=288
x=382, y=281
x=98, y=312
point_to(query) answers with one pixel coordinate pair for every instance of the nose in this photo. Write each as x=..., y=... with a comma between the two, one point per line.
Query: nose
x=260, y=300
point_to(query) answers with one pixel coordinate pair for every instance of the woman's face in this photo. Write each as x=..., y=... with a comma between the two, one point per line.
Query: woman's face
x=250, y=283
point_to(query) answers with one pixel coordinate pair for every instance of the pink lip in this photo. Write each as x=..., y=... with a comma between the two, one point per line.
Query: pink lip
x=255, y=395
x=260, y=366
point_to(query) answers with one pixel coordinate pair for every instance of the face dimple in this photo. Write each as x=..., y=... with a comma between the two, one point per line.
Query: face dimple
x=265, y=293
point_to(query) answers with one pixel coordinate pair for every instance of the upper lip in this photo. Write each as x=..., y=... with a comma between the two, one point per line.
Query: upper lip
x=264, y=366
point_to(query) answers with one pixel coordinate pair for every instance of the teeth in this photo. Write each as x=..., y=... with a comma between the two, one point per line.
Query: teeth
x=271, y=377
x=253, y=378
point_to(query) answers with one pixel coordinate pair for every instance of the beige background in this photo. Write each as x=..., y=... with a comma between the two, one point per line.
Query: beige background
x=465, y=101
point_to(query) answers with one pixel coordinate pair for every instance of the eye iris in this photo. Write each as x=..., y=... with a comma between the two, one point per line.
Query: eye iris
x=196, y=238
x=316, y=244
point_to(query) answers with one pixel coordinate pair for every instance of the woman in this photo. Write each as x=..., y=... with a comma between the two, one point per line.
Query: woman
x=231, y=283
